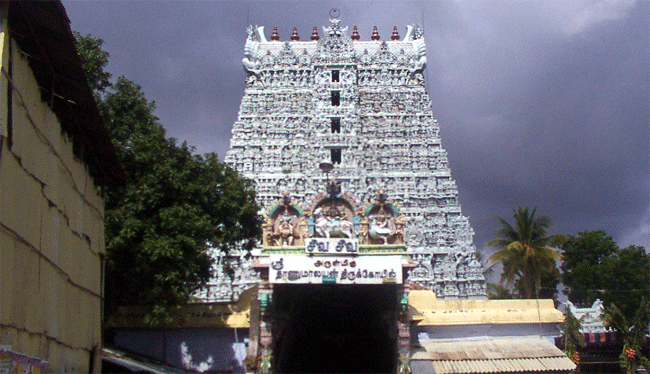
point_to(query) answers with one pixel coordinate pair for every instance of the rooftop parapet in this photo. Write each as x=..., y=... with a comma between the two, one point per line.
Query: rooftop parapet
x=435, y=312
x=335, y=47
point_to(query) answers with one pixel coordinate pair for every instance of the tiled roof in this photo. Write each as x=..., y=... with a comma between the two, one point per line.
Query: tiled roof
x=520, y=365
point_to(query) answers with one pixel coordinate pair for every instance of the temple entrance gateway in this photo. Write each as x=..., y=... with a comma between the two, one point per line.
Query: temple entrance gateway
x=333, y=297
x=334, y=328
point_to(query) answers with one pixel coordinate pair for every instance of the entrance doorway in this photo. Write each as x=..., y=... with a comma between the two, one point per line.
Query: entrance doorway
x=334, y=328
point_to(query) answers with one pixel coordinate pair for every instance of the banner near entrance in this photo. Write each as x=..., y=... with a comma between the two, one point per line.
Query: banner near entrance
x=299, y=269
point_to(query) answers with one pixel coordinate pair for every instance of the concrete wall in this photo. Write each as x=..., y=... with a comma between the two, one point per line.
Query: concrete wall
x=422, y=334
x=51, y=230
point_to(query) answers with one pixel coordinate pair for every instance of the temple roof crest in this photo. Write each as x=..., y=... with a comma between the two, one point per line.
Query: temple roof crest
x=335, y=28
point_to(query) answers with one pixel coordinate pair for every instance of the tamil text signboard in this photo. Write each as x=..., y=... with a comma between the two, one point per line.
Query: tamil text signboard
x=300, y=269
x=332, y=246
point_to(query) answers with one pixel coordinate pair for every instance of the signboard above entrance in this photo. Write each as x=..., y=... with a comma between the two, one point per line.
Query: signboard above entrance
x=332, y=246
x=300, y=269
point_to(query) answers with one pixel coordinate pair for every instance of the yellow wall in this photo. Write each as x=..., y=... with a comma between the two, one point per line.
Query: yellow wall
x=430, y=311
x=51, y=232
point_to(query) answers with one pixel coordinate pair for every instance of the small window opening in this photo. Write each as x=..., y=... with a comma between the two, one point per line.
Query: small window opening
x=335, y=75
x=336, y=98
x=336, y=156
x=336, y=125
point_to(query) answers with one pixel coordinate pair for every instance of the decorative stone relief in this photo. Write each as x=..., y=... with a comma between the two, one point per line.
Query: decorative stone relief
x=286, y=225
x=591, y=317
x=332, y=214
x=225, y=287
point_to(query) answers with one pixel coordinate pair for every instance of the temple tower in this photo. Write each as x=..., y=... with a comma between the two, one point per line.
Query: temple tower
x=361, y=106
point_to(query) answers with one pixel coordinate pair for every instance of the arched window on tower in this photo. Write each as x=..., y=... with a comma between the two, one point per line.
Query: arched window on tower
x=336, y=98
x=336, y=155
x=335, y=75
x=335, y=125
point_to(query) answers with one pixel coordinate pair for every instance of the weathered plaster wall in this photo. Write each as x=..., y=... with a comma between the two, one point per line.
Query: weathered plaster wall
x=219, y=350
x=51, y=230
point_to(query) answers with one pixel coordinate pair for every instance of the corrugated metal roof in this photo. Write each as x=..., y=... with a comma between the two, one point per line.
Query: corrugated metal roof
x=513, y=355
x=496, y=348
x=519, y=365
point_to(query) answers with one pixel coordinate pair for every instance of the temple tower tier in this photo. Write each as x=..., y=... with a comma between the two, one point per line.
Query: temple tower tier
x=361, y=107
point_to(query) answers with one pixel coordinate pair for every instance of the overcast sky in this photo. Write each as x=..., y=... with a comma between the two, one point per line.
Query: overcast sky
x=540, y=103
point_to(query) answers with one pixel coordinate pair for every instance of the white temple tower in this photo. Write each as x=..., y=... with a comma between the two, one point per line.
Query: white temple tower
x=362, y=106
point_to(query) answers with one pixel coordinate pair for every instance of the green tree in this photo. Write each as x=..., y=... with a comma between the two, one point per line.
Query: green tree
x=525, y=250
x=631, y=331
x=626, y=279
x=176, y=206
x=594, y=267
x=94, y=61
x=549, y=280
x=497, y=291
x=583, y=257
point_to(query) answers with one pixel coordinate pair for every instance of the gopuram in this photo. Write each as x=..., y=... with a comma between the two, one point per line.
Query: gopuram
x=339, y=137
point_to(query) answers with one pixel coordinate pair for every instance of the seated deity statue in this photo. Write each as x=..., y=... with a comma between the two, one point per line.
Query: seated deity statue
x=284, y=232
x=382, y=227
x=332, y=224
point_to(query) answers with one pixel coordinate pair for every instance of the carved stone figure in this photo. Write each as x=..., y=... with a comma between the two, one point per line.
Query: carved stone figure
x=332, y=224
x=363, y=231
x=380, y=228
x=250, y=60
x=283, y=233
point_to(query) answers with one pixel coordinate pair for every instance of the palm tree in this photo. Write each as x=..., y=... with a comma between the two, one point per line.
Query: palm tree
x=496, y=291
x=525, y=249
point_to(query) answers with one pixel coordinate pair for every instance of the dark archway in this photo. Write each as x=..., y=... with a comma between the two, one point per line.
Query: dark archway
x=334, y=328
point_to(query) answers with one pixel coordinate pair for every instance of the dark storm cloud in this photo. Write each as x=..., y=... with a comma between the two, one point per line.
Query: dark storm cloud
x=546, y=116
x=540, y=103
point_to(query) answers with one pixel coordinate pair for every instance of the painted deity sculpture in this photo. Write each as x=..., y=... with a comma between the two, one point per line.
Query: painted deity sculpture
x=332, y=224
x=333, y=215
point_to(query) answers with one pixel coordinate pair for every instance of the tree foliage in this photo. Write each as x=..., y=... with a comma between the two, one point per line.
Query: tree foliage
x=549, y=281
x=571, y=338
x=583, y=258
x=175, y=207
x=94, y=61
x=497, y=291
x=631, y=330
x=594, y=267
x=525, y=250
x=627, y=279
